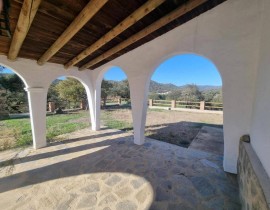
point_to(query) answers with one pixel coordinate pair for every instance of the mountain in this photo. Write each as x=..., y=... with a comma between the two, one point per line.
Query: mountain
x=156, y=87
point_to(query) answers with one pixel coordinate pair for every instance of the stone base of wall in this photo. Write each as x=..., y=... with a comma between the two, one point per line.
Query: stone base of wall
x=253, y=181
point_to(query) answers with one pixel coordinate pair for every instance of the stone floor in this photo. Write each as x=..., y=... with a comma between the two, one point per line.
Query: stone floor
x=105, y=170
x=209, y=139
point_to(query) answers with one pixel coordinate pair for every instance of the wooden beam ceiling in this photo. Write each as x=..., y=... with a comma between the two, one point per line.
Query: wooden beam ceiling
x=126, y=23
x=85, y=15
x=46, y=8
x=26, y=17
x=182, y=10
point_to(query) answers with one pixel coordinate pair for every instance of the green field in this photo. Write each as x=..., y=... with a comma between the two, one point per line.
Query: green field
x=17, y=132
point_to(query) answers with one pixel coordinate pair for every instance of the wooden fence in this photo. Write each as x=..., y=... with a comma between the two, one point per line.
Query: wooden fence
x=200, y=105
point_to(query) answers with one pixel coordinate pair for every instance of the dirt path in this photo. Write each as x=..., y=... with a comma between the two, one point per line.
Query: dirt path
x=175, y=127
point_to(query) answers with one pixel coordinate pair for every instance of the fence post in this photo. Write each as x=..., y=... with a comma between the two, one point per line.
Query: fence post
x=202, y=105
x=51, y=106
x=173, y=104
x=119, y=101
x=83, y=105
x=151, y=102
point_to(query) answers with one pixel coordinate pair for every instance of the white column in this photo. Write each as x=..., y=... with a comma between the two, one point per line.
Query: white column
x=37, y=107
x=138, y=94
x=94, y=108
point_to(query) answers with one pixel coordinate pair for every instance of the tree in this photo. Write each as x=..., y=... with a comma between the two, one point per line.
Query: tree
x=11, y=83
x=191, y=93
x=156, y=96
x=218, y=97
x=214, y=95
x=106, y=90
x=123, y=89
x=13, y=93
x=71, y=90
x=175, y=95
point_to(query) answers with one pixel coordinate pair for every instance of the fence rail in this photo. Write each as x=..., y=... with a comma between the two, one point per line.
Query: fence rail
x=200, y=105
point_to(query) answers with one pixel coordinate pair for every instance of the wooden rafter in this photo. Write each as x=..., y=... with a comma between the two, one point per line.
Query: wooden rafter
x=126, y=23
x=85, y=15
x=27, y=14
x=46, y=8
x=146, y=31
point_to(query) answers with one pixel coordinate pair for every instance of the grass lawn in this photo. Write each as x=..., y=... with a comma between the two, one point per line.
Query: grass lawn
x=109, y=120
x=172, y=126
x=17, y=132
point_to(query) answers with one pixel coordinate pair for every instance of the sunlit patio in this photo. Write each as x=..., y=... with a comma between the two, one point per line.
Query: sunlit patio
x=106, y=170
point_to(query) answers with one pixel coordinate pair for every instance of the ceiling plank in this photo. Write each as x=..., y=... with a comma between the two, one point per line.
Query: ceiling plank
x=85, y=15
x=180, y=11
x=27, y=15
x=48, y=8
x=126, y=23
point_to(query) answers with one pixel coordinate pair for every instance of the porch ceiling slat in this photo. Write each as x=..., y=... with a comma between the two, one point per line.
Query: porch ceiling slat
x=146, y=31
x=86, y=14
x=126, y=23
x=27, y=15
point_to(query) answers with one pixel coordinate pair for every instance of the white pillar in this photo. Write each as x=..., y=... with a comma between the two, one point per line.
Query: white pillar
x=94, y=108
x=37, y=107
x=138, y=94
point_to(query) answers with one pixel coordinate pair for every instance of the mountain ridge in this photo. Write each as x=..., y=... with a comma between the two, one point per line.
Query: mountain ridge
x=156, y=87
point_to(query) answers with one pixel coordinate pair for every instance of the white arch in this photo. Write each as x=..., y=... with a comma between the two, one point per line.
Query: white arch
x=102, y=72
x=97, y=91
x=173, y=54
x=85, y=85
x=89, y=91
x=16, y=72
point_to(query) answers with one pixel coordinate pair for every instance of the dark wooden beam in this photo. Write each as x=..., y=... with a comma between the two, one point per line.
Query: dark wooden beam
x=180, y=11
x=27, y=15
x=126, y=23
x=85, y=15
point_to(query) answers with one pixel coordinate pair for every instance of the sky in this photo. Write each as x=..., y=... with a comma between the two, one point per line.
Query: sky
x=115, y=73
x=178, y=70
x=7, y=71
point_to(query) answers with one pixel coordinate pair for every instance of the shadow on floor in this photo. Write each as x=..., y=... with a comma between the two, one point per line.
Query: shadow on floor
x=181, y=179
x=180, y=133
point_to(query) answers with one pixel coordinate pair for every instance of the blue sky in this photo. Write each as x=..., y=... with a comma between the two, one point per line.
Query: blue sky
x=115, y=73
x=178, y=70
x=7, y=71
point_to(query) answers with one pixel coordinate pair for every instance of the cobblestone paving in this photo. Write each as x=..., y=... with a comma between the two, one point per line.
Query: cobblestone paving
x=105, y=170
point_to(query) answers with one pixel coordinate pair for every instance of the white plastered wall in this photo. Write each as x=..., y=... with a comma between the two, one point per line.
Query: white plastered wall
x=228, y=35
x=260, y=129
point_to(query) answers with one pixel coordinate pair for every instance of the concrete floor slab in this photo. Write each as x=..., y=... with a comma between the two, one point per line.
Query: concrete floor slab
x=209, y=139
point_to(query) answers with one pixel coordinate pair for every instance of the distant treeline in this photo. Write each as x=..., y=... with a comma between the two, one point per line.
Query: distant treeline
x=189, y=92
x=13, y=97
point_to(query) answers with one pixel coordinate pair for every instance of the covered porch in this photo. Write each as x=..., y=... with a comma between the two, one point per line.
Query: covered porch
x=84, y=39
x=105, y=170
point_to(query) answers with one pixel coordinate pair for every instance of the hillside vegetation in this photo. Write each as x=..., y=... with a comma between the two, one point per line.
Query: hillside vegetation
x=189, y=92
x=70, y=92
